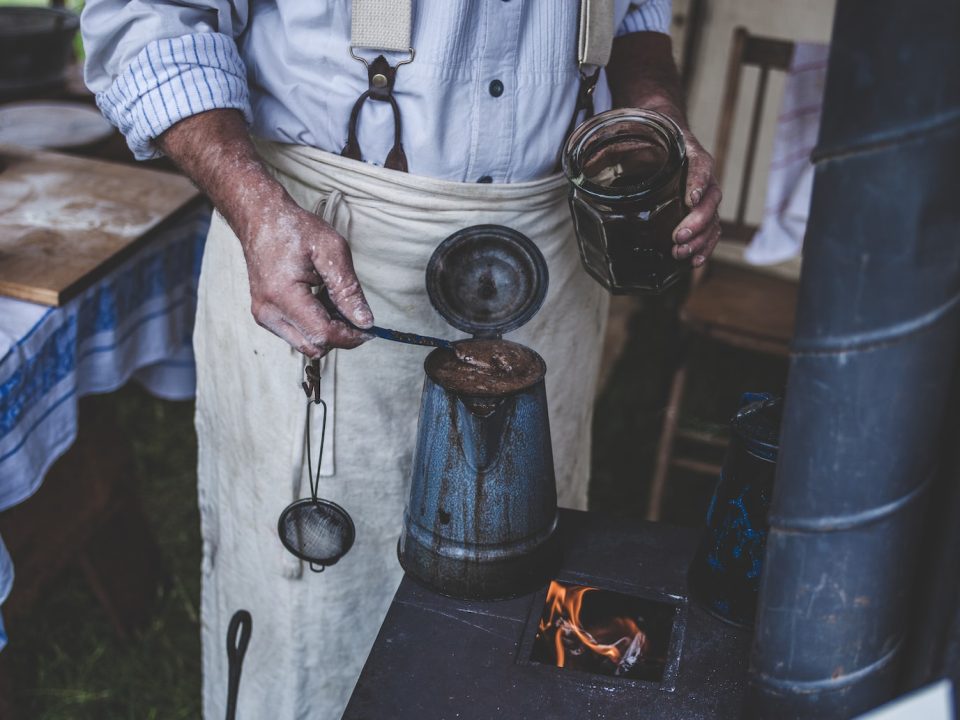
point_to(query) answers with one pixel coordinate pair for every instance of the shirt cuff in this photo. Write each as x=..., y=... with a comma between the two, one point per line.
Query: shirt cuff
x=647, y=16
x=172, y=79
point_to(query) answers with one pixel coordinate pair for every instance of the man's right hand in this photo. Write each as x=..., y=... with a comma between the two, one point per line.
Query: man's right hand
x=287, y=249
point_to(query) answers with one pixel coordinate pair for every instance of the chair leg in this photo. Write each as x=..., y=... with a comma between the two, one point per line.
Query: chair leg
x=7, y=707
x=665, y=446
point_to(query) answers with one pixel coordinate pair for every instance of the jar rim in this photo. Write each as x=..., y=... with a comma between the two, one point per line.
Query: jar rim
x=572, y=156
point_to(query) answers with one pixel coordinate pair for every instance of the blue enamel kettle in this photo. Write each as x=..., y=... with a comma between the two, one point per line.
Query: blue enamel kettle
x=481, y=519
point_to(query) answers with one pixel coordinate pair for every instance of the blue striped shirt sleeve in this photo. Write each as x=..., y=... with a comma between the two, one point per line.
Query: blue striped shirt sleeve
x=171, y=79
x=647, y=15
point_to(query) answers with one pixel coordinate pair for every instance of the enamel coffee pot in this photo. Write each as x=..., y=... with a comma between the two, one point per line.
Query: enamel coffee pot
x=482, y=515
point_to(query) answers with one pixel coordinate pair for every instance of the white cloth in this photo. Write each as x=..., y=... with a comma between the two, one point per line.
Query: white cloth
x=790, y=179
x=134, y=322
x=312, y=632
x=287, y=64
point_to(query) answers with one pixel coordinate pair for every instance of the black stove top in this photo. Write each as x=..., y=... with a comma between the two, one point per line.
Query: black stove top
x=437, y=658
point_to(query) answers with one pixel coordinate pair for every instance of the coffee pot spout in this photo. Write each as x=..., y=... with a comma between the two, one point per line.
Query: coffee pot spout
x=481, y=424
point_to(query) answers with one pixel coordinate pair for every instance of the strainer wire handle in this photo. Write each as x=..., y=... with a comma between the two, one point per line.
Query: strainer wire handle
x=315, y=478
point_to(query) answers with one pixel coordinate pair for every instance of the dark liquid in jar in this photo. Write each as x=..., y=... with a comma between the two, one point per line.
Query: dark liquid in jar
x=642, y=251
x=627, y=174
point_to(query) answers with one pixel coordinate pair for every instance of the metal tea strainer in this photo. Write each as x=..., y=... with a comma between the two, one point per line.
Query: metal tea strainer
x=315, y=530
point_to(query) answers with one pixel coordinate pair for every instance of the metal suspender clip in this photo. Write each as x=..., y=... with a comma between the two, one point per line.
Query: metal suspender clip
x=381, y=74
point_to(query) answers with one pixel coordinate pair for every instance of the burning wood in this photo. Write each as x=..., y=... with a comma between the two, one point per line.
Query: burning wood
x=617, y=642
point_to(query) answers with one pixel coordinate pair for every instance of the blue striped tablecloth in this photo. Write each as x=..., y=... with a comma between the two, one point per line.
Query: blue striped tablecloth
x=136, y=322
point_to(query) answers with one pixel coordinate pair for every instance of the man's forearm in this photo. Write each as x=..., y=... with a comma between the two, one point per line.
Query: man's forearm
x=215, y=151
x=642, y=73
x=287, y=249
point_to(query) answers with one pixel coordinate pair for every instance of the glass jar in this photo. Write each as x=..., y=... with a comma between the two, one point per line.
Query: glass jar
x=627, y=170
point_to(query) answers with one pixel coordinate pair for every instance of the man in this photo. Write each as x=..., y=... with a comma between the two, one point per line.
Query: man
x=485, y=105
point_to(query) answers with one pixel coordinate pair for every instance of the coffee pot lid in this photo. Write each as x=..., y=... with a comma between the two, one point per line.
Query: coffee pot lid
x=757, y=422
x=487, y=279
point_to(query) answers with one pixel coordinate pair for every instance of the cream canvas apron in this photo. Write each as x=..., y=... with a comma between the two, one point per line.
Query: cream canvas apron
x=312, y=631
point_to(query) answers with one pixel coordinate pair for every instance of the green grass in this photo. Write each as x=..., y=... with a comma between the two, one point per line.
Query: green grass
x=66, y=660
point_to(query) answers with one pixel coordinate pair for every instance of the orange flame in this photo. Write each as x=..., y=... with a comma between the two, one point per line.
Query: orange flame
x=563, y=619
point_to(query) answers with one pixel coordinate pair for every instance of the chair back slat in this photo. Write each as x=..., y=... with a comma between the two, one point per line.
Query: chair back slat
x=728, y=107
x=754, y=136
x=766, y=54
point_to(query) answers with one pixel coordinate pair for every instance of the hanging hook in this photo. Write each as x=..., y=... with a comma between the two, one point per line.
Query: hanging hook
x=311, y=386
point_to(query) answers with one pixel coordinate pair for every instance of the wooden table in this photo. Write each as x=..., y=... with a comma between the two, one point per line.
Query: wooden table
x=86, y=513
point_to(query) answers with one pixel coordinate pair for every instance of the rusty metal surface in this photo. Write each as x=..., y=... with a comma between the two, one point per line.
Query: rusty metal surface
x=437, y=657
x=483, y=499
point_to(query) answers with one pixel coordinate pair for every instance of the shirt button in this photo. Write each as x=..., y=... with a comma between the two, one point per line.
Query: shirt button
x=485, y=179
x=496, y=88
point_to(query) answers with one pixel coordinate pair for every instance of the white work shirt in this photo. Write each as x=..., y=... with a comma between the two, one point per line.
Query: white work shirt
x=286, y=65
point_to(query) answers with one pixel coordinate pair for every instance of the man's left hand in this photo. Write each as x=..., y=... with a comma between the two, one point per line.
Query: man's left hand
x=698, y=233
x=642, y=74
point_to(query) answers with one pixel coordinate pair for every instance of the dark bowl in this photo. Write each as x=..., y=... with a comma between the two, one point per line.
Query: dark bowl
x=36, y=44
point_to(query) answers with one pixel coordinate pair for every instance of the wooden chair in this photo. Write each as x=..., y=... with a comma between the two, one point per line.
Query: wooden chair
x=730, y=303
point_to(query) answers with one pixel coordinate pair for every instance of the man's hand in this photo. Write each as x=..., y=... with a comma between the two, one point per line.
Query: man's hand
x=287, y=249
x=642, y=74
x=698, y=233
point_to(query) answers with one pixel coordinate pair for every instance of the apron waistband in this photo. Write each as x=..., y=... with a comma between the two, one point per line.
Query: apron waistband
x=365, y=183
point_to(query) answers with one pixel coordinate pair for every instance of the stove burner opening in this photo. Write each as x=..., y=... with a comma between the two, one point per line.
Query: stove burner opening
x=603, y=632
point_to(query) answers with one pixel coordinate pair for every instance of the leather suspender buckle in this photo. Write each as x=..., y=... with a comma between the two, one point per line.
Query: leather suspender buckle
x=588, y=84
x=381, y=78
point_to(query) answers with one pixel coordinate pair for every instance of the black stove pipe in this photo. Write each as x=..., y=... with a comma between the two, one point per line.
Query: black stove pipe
x=875, y=346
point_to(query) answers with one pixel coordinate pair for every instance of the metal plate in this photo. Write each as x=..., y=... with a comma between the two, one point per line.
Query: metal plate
x=52, y=125
x=487, y=279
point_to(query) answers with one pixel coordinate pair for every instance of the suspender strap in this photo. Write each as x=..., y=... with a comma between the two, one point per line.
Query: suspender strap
x=596, y=33
x=595, y=43
x=382, y=24
x=388, y=25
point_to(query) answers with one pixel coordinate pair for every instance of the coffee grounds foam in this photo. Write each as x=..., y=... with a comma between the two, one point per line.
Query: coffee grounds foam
x=485, y=367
